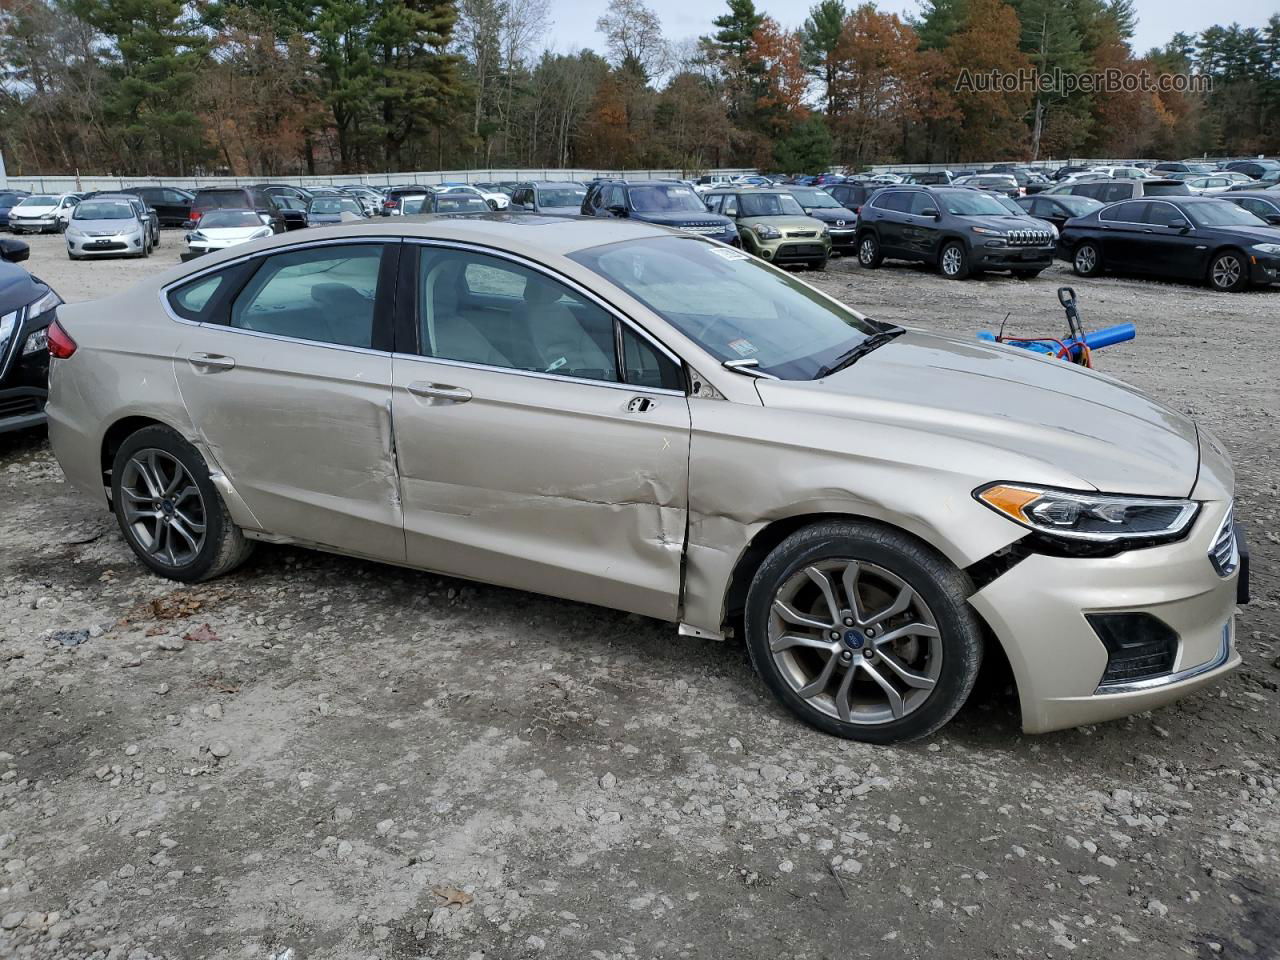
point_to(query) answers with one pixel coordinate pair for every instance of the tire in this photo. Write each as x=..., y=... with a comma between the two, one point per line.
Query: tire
x=819, y=264
x=953, y=260
x=1087, y=260
x=810, y=678
x=201, y=555
x=1027, y=274
x=1228, y=271
x=869, y=254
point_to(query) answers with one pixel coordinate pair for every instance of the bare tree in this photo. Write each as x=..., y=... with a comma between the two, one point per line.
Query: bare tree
x=633, y=34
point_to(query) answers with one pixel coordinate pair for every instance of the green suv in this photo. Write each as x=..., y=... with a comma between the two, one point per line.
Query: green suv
x=773, y=225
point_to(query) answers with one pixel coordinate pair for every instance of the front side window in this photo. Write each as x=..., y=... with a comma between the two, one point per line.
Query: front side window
x=325, y=294
x=1220, y=213
x=731, y=304
x=476, y=308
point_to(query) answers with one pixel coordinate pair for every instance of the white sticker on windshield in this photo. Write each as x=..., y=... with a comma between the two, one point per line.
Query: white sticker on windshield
x=728, y=253
x=743, y=348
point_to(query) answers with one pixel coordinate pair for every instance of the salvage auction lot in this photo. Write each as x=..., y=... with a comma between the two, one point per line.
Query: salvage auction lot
x=351, y=760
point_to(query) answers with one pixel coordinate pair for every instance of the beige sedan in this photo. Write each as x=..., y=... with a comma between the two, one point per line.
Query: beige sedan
x=616, y=413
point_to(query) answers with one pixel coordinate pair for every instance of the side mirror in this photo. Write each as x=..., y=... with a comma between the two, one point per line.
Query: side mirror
x=1179, y=224
x=1273, y=218
x=618, y=210
x=13, y=251
x=265, y=218
x=931, y=212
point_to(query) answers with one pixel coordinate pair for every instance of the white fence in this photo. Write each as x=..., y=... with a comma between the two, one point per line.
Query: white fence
x=1049, y=165
x=61, y=183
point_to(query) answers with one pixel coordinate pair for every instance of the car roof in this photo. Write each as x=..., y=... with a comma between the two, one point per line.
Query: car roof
x=558, y=183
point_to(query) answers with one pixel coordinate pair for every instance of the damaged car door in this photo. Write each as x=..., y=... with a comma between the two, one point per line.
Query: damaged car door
x=288, y=383
x=542, y=441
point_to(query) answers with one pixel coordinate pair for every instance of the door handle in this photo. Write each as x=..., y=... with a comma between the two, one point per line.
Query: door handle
x=211, y=362
x=641, y=404
x=439, y=392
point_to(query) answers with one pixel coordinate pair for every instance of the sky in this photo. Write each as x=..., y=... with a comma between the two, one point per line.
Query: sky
x=573, y=21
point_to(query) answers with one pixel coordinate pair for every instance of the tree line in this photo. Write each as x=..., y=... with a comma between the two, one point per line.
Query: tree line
x=278, y=87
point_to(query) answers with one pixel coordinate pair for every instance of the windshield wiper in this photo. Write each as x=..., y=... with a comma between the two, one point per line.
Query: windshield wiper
x=852, y=356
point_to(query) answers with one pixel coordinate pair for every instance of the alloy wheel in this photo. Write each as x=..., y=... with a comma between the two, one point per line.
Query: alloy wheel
x=1086, y=259
x=1226, y=272
x=855, y=640
x=951, y=261
x=867, y=250
x=163, y=507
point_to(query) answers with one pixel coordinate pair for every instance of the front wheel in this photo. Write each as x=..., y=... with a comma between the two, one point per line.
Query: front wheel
x=1087, y=261
x=170, y=512
x=869, y=254
x=1228, y=273
x=954, y=261
x=819, y=264
x=863, y=631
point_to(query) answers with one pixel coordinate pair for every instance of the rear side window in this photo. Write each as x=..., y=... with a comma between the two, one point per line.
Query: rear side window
x=192, y=300
x=896, y=200
x=325, y=294
x=1129, y=212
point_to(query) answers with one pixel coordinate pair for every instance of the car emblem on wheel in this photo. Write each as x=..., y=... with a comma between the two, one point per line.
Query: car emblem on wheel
x=854, y=639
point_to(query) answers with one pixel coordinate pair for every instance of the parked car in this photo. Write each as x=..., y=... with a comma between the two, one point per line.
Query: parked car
x=1201, y=239
x=1263, y=204
x=294, y=211
x=42, y=212
x=852, y=195
x=237, y=198
x=1058, y=209
x=496, y=200
x=552, y=198
x=821, y=205
x=336, y=209
x=391, y=199
x=1122, y=173
x=1027, y=178
x=8, y=200
x=109, y=226
x=453, y=204
x=27, y=306
x=227, y=227
x=661, y=202
x=172, y=206
x=145, y=213
x=302, y=194
x=369, y=199
x=930, y=178
x=1254, y=169
x=1268, y=181
x=961, y=231
x=873, y=508
x=772, y=225
x=1175, y=166
x=1113, y=191
x=993, y=182
x=1067, y=171
x=1210, y=185
x=708, y=182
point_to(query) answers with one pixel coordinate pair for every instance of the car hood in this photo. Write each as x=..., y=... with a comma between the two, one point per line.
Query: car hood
x=1044, y=411
x=832, y=214
x=17, y=288
x=30, y=211
x=231, y=233
x=1008, y=222
x=785, y=222
x=112, y=226
x=1254, y=234
x=683, y=218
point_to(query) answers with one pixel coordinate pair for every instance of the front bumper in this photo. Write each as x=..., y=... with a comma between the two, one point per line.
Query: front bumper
x=802, y=250
x=81, y=246
x=1038, y=610
x=843, y=238
x=21, y=408
x=32, y=224
x=1264, y=269
x=1014, y=258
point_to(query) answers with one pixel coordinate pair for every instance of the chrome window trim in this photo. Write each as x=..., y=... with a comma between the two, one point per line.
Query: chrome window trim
x=1169, y=679
x=539, y=375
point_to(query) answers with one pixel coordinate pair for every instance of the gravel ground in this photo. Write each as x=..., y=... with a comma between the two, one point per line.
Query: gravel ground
x=324, y=758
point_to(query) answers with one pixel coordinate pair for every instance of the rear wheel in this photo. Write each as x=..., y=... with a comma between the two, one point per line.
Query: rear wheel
x=1227, y=272
x=1087, y=261
x=869, y=254
x=954, y=261
x=863, y=631
x=170, y=512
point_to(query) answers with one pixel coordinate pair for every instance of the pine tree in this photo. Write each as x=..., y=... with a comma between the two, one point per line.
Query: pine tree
x=821, y=33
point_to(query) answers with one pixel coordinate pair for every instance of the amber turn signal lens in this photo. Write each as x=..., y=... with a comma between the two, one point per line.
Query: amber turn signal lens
x=1009, y=500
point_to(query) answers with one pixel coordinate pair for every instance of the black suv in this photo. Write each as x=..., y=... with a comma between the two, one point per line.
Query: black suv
x=667, y=203
x=26, y=309
x=853, y=195
x=961, y=231
x=172, y=206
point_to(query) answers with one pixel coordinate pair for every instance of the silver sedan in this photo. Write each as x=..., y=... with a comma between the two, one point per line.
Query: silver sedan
x=620, y=414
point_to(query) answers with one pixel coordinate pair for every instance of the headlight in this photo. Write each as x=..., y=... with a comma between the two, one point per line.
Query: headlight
x=72, y=229
x=987, y=231
x=7, y=323
x=766, y=232
x=264, y=232
x=826, y=231
x=197, y=236
x=1096, y=517
x=1271, y=248
x=43, y=305
x=1053, y=228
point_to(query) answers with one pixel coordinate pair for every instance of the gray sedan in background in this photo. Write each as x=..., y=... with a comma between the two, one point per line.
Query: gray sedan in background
x=622, y=414
x=106, y=228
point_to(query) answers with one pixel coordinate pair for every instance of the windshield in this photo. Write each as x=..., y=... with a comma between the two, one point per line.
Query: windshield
x=41, y=201
x=1078, y=206
x=334, y=205
x=461, y=204
x=1220, y=213
x=1009, y=205
x=814, y=198
x=562, y=197
x=9, y=199
x=103, y=210
x=769, y=205
x=969, y=203
x=221, y=198
x=734, y=306
x=665, y=198
x=230, y=219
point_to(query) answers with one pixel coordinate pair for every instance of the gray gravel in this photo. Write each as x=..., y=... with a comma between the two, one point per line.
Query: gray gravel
x=372, y=762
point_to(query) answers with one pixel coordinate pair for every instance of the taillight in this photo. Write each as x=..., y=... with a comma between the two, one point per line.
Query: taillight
x=391, y=204
x=61, y=346
x=196, y=215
